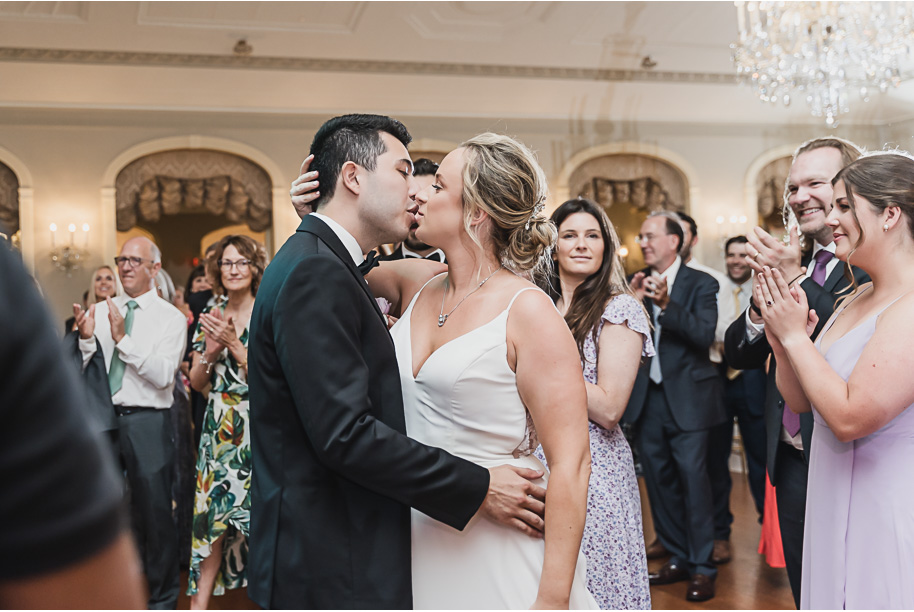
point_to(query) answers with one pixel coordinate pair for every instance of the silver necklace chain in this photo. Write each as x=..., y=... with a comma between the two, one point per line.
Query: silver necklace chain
x=442, y=318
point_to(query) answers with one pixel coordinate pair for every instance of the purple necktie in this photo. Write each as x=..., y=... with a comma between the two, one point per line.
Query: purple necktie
x=791, y=420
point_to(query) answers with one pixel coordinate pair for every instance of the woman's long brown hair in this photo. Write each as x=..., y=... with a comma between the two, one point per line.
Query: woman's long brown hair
x=591, y=297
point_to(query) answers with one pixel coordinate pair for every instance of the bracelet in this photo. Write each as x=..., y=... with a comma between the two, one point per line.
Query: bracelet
x=799, y=276
x=754, y=307
x=209, y=366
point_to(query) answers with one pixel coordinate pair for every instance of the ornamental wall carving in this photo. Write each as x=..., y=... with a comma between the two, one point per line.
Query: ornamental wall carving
x=193, y=181
x=9, y=201
x=770, y=194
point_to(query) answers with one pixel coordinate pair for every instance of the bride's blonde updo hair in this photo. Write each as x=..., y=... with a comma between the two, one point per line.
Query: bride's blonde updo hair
x=502, y=178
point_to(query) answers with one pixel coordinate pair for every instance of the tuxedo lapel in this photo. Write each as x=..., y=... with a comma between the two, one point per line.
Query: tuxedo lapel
x=312, y=225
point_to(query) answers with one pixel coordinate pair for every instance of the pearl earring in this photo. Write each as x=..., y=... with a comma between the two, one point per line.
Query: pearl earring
x=885, y=227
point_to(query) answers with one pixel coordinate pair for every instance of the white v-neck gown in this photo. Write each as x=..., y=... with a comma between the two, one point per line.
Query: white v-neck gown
x=465, y=400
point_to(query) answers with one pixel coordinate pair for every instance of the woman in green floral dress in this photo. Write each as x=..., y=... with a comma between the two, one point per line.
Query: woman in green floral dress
x=222, y=505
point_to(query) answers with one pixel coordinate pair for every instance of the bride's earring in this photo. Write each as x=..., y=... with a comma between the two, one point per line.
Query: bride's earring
x=885, y=227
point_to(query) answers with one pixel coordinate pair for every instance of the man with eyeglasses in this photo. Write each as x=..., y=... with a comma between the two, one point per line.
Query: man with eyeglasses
x=675, y=402
x=142, y=338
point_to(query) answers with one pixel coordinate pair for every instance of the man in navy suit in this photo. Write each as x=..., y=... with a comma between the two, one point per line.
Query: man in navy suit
x=676, y=400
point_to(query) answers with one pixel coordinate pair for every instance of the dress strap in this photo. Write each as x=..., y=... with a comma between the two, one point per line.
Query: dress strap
x=511, y=303
x=416, y=297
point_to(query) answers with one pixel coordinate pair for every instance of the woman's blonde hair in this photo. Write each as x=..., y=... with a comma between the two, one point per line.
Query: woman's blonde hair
x=94, y=298
x=502, y=178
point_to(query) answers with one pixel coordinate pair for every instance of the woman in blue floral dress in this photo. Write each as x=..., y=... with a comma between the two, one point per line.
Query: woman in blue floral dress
x=613, y=334
x=222, y=505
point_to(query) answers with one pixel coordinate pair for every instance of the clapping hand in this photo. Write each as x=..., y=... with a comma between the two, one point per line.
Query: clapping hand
x=785, y=310
x=657, y=289
x=776, y=255
x=116, y=320
x=218, y=332
x=304, y=189
x=85, y=321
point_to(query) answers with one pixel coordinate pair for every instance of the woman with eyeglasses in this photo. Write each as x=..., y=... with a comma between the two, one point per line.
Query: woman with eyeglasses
x=222, y=507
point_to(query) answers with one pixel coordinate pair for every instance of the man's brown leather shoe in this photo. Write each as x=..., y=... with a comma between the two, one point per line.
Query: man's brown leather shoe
x=668, y=574
x=656, y=550
x=701, y=588
x=721, y=552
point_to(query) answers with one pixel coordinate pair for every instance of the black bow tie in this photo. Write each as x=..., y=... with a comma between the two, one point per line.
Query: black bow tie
x=370, y=262
x=436, y=256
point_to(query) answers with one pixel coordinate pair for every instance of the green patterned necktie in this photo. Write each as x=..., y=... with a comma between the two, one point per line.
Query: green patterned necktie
x=116, y=372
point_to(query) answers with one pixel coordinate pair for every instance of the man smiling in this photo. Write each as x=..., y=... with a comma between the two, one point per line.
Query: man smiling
x=809, y=195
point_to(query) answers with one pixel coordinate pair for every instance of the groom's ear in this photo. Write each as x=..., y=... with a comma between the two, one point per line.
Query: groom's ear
x=349, y=177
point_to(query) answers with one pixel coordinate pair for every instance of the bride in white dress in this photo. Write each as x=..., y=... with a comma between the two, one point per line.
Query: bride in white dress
x=486, y=364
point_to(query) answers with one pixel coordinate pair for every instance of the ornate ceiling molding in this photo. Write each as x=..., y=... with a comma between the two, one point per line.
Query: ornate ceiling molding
x=180, y=60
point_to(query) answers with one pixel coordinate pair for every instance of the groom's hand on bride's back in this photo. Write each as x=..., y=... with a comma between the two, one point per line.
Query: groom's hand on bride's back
x=514, y=500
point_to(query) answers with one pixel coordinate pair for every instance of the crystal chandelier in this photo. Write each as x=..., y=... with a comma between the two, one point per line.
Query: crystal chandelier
x=821, y=51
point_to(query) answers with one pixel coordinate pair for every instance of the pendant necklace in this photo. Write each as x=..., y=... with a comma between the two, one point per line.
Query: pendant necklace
x=442, y=318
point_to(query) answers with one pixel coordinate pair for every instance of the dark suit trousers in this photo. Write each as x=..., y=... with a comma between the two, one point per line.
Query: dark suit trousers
x=792, y=477
x=752, y=432
x=676, y=474
x=148, y=448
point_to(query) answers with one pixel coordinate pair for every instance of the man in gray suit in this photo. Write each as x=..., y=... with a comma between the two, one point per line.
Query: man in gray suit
x=676, y=400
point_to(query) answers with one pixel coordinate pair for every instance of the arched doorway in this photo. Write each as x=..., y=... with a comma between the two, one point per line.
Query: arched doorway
x=9, y=207
x=178, y=196
x=17, y=220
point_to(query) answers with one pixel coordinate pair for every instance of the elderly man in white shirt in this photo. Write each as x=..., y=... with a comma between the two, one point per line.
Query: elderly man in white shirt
x=142, y=338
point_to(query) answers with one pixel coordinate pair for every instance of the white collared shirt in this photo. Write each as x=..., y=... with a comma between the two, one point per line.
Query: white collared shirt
x=152, y=351
x=731, y=306
x=407, y=254
x=348, y=240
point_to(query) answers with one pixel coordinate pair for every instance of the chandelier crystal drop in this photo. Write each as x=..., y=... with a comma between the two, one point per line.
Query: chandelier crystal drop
x=822, y=52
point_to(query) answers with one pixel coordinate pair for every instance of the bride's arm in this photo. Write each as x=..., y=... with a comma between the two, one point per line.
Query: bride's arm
x=551, y=384
x=398, y=281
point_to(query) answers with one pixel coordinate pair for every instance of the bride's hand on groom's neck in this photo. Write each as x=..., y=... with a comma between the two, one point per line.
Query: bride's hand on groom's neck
x=513, y=500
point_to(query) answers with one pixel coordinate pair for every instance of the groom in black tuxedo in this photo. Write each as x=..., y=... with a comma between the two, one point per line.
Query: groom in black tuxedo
x=334, y=475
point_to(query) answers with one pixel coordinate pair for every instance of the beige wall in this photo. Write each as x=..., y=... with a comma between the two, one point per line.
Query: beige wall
x=68, y=154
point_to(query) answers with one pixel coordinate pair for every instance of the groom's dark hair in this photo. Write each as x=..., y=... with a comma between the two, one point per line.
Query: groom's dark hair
x=355, y=138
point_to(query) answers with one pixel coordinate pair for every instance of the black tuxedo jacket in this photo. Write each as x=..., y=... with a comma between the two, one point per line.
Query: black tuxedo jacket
x=741, y=354
x=691, y=383
x=334, y=474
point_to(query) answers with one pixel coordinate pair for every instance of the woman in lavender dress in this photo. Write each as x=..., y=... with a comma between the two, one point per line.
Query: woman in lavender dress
x=613, y=334
x=858, y=546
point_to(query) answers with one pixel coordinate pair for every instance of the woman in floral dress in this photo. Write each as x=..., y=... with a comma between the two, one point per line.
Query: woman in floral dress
x=222, y=505
x=613, y=334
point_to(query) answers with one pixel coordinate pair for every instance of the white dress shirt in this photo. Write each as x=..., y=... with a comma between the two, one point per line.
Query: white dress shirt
x=670, y=275
x=408, y=254
x=152, y=351
x=732, y=301
x=348, y=240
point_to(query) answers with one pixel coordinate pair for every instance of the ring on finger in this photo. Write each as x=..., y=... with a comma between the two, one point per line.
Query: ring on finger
x=769, y=302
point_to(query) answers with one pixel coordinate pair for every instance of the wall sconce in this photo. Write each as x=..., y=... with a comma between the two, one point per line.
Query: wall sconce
x=68, y=256
x=729, y=227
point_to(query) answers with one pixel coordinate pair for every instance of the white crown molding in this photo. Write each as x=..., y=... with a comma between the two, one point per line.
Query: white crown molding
x=184, y=60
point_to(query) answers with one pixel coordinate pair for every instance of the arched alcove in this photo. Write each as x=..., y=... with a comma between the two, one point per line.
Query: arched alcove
x=284, y=219
x=764, y=187
x=16, y=206
x=206, y=183
x=629, y=185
